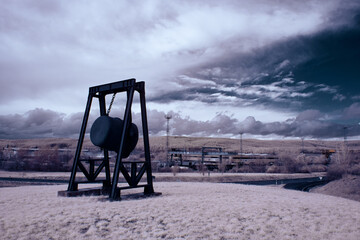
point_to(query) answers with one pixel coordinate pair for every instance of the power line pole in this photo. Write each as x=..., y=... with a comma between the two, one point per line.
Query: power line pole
x=241, y=152
x=345, y=137
x=241, y=144
x=167, y=117
x=302, y=145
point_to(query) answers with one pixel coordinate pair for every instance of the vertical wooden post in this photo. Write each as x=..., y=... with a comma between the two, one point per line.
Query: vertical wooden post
x=102, y=105
x=149, y=189
x=114, y=191
x=72, y=186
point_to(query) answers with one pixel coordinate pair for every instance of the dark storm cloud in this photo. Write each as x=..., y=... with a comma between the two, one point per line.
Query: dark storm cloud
x=301, y=72
x=156, y=121
x=197, y=94
x=52, y=45
x=46, y=123
x=309, y=115
x=352, y=112
x=314, y=128
x=283, y=56
x=219, y=125
x=35, y=123
x=310, y=123
x=39, y=123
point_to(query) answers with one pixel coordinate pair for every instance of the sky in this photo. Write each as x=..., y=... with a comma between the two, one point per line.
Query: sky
x=268, y=69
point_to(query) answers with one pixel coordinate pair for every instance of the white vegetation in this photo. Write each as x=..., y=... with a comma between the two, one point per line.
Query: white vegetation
x=184, y=211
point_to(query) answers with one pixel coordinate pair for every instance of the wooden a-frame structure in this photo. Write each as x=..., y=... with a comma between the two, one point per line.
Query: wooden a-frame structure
x=138, y=168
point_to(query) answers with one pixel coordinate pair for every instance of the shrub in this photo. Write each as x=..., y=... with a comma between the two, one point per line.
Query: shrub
x=289, y=163
x=175, y=170
x=317, y=168
x=355, y=169
x=301, y=164
x=245, y=169
x=345, y=162
x=222, y=166
x=274, y=169
x=335, y=171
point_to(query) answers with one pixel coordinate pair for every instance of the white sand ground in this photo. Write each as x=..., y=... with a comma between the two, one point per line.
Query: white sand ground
x=242, y=176
x=184, y=211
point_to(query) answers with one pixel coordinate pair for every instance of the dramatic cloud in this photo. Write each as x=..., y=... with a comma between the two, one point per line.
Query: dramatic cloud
x=39, y=123
x=211, y=64
x=264, y=77
x=352, y=112
x=310, y=123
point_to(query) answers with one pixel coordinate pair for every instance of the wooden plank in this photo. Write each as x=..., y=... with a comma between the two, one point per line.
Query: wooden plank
x=84, y=192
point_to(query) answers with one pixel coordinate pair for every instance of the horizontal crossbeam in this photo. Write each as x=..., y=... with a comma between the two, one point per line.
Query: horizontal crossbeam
x=115, y=87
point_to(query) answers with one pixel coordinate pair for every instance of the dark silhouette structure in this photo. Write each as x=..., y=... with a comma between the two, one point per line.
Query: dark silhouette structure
x=116, y=135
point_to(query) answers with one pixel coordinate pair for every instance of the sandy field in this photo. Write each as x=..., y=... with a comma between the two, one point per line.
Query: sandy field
x=170, y=177
x=184, y=211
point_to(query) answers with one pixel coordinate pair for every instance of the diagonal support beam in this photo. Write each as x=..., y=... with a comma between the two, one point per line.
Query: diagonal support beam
x=72, y=186
x=118, y=163
x=100, y=167
x=86, y=173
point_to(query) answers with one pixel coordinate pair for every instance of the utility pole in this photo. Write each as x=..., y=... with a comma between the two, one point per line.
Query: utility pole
x=167, y=117
x=241, y=145
x=345, y=137
x=302, y=145
x=241, y=152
